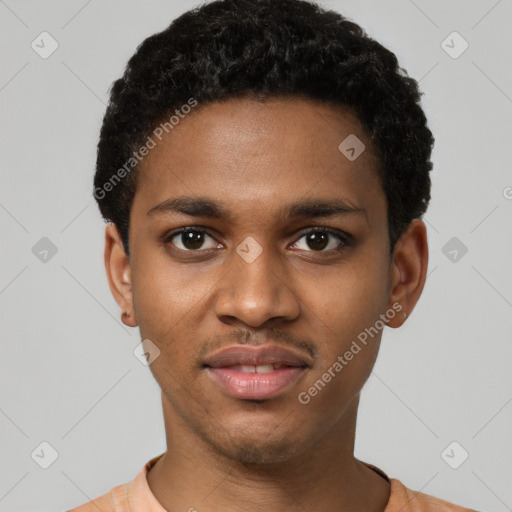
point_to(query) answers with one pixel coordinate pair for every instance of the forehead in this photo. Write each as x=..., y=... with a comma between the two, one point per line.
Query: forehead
x=260, y=155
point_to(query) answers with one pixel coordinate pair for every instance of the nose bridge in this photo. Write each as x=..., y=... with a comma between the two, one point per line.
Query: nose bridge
x=257, y=267
x=256, y=289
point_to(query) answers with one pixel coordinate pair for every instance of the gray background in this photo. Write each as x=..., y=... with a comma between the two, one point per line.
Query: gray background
x=69, y=376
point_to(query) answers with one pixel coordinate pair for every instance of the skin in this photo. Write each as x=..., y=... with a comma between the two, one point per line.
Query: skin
x=224, y=453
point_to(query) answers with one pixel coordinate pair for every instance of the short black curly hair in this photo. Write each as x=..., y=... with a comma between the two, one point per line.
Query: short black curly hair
x=263, y=49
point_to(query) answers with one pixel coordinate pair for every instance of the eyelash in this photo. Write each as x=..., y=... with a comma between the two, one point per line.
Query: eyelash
x=345, y=239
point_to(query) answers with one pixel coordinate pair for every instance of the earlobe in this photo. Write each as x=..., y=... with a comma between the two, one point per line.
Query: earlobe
x=117, y=267
x=408, y=271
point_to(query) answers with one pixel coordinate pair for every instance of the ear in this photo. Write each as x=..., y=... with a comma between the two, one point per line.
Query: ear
x=118, y=270
x=408, y=271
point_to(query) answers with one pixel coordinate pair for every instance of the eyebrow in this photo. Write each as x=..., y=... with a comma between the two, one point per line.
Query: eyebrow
x=205, y=207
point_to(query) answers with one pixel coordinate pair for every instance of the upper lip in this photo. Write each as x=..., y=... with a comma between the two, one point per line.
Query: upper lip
x=255, y=356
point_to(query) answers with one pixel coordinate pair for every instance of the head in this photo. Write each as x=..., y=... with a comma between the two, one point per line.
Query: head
x=257, y=120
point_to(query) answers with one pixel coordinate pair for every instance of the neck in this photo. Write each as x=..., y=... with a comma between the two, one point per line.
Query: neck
x=192, y=475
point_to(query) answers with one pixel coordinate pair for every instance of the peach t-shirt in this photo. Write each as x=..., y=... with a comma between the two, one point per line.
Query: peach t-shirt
x=136, y=496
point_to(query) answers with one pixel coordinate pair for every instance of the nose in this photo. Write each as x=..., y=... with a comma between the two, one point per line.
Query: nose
x=253, y=292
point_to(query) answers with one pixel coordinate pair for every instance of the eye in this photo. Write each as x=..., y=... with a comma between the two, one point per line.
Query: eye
x=317, y=239
x=190, y=239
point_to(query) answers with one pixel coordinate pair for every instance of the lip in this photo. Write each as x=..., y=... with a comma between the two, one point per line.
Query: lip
x=222, y=369
x=256, y=386
x=255, y=356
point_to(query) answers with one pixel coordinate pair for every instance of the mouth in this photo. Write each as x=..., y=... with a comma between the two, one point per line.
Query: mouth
x=256, y=382
x=260, y=373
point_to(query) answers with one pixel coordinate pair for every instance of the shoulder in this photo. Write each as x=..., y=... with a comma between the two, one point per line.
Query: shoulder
x=407, y=500
x=124, y=497
x=115, y=500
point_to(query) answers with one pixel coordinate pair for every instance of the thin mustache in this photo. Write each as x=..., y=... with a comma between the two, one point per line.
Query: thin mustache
x=247, y=338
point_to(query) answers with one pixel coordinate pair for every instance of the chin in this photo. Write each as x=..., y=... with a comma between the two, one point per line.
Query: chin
x=248, y=445
x=258, y=451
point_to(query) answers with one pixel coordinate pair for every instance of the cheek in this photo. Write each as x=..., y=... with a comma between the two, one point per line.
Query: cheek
x=346, y=314
x=331, y=391
x=349, y=300
x=345, y=361
x=164, y=295
x=168, y=303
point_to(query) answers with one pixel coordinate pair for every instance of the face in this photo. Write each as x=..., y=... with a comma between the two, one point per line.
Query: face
x=251, y=228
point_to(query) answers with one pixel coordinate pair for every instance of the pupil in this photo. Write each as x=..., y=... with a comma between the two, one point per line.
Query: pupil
x=192, y=239
x=318, y=241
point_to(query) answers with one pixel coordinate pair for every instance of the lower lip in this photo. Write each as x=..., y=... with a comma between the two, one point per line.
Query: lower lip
x=255, y=386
